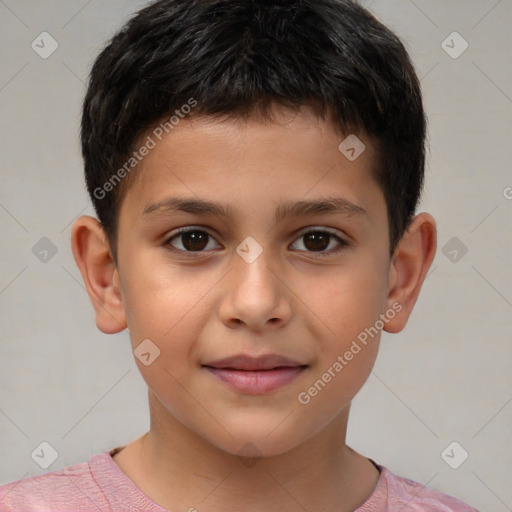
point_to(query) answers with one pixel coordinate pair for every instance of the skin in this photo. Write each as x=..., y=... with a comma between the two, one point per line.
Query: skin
x=292, y=301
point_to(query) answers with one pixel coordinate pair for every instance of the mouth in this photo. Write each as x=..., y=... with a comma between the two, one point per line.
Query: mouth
x=255, y=375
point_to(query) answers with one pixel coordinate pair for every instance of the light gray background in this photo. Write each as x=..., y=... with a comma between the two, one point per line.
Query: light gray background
x=447, y=377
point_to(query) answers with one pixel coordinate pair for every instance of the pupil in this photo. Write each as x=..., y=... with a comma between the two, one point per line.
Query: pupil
x=319, y=241
x=195, y=240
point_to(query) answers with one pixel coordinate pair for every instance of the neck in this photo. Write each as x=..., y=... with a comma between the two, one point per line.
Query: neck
x=181, y=471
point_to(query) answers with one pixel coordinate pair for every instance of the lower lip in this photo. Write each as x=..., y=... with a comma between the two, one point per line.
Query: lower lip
x=257, y=382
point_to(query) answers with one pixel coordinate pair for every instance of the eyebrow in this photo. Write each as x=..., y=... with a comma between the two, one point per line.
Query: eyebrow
x=284, y=210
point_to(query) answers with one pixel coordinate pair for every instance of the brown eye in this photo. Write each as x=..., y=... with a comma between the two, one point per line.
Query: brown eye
x=191, y=240
x=319, y=241
x=195, y=240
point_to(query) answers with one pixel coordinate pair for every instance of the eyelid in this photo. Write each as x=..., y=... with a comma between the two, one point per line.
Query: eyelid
x=342, y=242
x=308, y=229
x=186, y=229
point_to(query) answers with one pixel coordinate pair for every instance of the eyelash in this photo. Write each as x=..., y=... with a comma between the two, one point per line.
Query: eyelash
x=342, y=243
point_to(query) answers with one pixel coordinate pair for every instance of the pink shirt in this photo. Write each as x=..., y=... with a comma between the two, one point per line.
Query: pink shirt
x=100, y=485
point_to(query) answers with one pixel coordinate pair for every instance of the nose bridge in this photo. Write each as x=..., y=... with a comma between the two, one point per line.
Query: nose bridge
x=255, y=294
x=252, y=268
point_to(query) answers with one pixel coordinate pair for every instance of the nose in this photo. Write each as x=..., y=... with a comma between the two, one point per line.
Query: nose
x=255, y=296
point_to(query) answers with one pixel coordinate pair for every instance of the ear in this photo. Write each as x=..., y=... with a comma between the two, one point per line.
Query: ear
x=99, y=272
x=409, y=266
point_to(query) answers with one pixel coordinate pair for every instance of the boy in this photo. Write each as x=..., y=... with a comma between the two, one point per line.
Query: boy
x=255, y=166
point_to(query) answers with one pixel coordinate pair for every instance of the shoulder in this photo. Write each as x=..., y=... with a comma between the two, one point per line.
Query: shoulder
x=70, y=488
x=410, y=496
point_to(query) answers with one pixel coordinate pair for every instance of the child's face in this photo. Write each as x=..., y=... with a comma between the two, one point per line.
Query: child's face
x=300, y=299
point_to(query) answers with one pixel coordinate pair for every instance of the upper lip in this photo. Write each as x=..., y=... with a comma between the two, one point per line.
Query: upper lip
x=246, y=362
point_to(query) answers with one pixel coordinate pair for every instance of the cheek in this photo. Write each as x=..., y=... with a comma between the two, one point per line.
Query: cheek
x=353, y=304
x=331, y=391
x=162, y=307
x=159, y=298
x=172, y=323
x=346, y=300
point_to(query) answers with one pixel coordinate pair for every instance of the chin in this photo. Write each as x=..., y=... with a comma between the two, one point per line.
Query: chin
x=251, y=442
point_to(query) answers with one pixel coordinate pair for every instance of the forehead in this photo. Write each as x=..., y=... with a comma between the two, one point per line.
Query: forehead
x=294, y=155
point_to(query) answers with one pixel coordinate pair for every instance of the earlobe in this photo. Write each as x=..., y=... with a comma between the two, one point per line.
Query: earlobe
x=94, y=259
x=409, y=267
